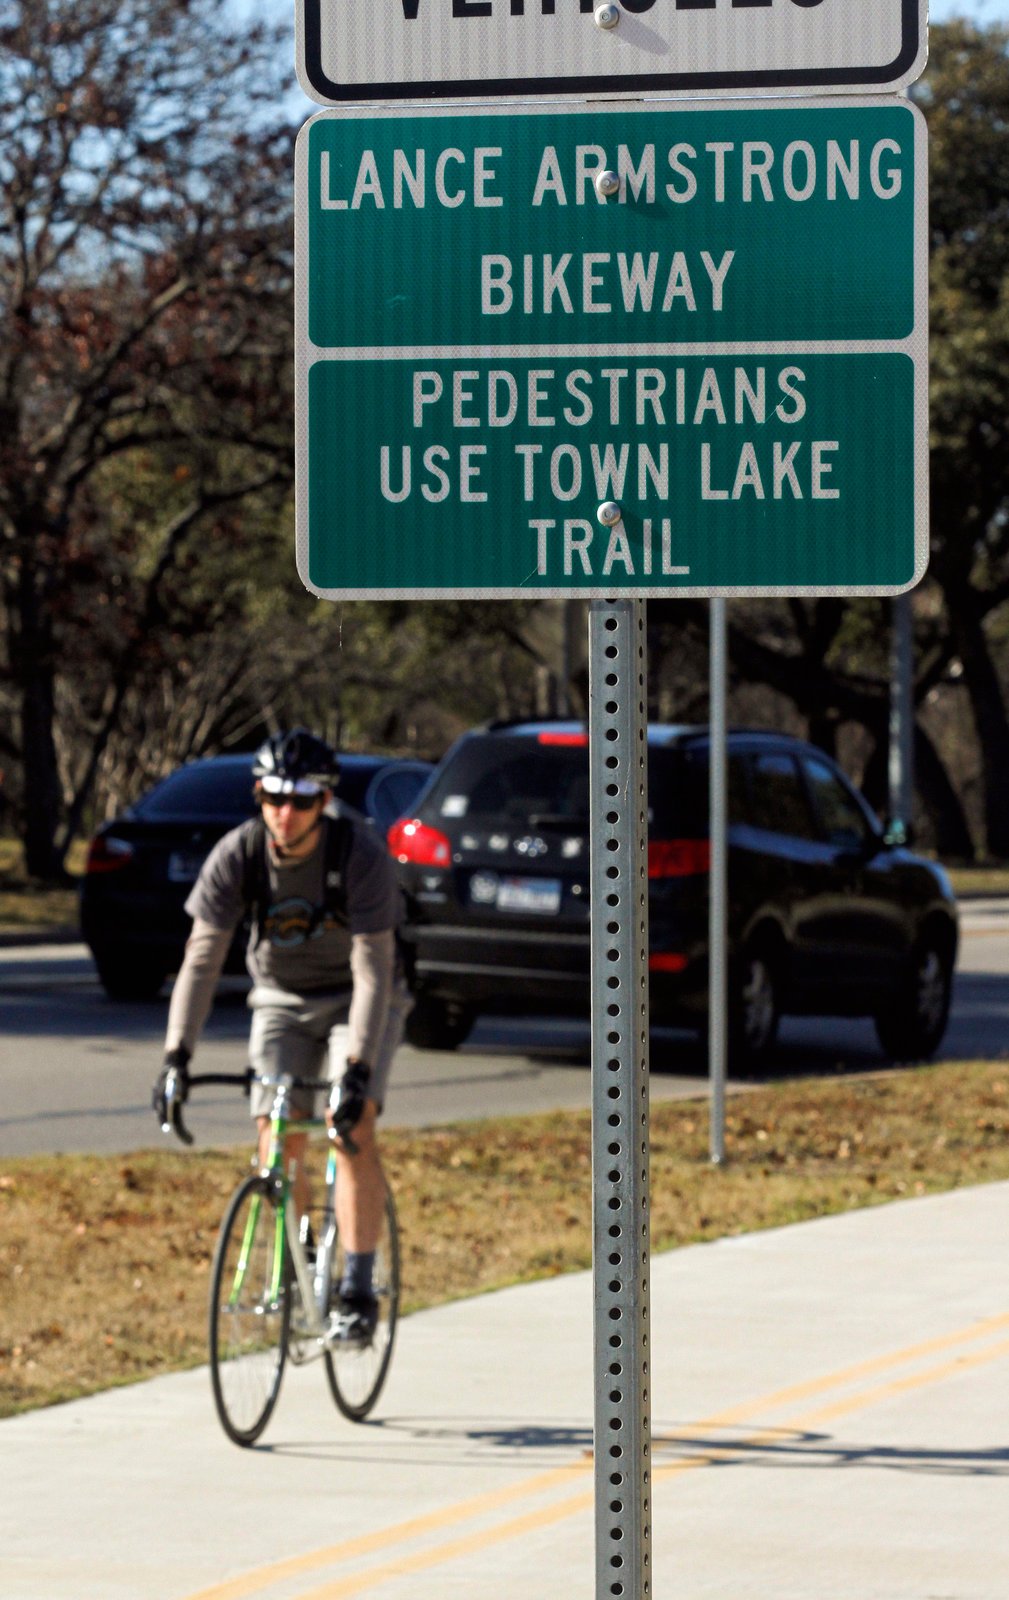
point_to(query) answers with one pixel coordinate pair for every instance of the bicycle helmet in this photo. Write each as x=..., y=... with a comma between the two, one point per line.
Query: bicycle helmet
x=295, y=763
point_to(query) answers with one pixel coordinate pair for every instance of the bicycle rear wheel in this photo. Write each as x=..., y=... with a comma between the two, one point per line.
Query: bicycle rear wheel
x=356, y=1372
x=250, y=1311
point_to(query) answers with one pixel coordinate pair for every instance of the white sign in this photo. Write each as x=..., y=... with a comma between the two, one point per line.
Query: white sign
x=377, y=50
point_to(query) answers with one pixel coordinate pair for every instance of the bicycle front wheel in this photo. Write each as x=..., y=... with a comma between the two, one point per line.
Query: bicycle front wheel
x=250, y=1311
x=356, y=1372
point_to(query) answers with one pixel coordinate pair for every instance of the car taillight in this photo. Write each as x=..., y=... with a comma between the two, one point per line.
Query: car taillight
x=108, y=855
x=562, y=738
x=416, y=843
x=678, y=858
x=667, y=961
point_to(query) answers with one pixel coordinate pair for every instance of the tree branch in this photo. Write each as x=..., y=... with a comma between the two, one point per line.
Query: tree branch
x=174, y=537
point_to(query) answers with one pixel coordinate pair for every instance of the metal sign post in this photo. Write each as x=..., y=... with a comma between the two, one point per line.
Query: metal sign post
x=900, y=761
x=618, y=775
x=612, y=350
x=718, y=908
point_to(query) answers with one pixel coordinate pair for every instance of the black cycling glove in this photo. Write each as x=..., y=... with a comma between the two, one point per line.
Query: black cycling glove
x=177, y=1063
x=346, y=1100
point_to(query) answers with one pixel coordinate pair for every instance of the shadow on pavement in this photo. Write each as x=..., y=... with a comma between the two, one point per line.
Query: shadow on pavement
x=791, y=1449
x=788, y=1449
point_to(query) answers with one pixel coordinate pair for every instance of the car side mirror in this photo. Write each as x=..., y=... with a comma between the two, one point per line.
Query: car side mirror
x=897, y=833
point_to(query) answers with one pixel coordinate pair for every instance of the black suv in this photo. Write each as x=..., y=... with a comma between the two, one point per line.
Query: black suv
x=142, y=865
x=828, y=915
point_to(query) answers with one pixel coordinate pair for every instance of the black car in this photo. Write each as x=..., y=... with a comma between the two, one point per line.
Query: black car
x=142, y=865
x=828, y=914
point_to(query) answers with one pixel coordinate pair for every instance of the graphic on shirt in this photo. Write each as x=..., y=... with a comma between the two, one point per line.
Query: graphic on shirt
x=290, y=922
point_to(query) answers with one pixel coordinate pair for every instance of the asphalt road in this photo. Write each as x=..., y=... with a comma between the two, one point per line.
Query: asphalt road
x=76, y=1069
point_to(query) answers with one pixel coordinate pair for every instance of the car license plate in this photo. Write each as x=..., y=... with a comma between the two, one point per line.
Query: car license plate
x=540, y=895
x=184, y=866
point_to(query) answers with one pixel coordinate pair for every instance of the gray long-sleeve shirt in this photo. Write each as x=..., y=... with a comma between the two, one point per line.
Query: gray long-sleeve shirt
x=297, y=952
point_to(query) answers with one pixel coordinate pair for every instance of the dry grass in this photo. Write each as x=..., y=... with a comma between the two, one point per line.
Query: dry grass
x=982, y=880
x=30, y=907
x=105, y=1261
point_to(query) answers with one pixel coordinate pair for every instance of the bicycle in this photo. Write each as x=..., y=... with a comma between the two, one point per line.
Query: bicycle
x=270, y=1296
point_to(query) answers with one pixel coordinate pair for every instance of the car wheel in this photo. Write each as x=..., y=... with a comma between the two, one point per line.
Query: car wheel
x=123, y=979
x=754, y=1007
x=911, y=1026
x=437, y=1025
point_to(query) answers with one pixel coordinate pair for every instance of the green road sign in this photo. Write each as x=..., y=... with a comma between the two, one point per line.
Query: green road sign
x=619, y=349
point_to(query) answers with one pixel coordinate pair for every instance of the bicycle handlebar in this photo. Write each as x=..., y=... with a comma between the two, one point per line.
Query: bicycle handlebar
x=176, y=1124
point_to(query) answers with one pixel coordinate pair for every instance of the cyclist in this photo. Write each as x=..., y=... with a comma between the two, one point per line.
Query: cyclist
x=325, y=905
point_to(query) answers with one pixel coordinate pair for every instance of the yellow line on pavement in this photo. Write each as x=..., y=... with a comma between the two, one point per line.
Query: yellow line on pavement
x=367, y=1582
x=857, y=1402
x=369, y=1543
x=361, y=1582
x=432, y=1522
x=915, y=1380
x=836, y=1380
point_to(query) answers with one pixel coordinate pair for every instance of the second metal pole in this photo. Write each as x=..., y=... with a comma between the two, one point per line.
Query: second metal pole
x=717, y=968
x=618, y=765
x=900, y=764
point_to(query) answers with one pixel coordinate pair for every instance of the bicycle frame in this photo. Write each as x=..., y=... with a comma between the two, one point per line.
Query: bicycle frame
x=293, y=1301
x=313, y=1284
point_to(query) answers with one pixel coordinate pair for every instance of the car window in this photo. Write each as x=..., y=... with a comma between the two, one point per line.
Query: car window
x=205, y=789
x=780, y=803
x=393, y=791
x=677, y=793
x=508, y=779
x=737, y=789
x=841, y=816
x=680, y=791
x=354, y=780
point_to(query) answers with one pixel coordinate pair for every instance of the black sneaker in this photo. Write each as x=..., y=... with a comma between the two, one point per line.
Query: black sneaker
x=355, y=1319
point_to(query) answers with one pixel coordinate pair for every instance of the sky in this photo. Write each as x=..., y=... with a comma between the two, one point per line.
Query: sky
x=977, y=10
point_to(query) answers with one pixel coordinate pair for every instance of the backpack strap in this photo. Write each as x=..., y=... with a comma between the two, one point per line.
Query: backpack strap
x=254, y=874
x=339, y=839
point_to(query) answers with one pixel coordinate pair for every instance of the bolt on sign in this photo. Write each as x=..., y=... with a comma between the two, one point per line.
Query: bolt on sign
x=631, y=350
x=382, y=50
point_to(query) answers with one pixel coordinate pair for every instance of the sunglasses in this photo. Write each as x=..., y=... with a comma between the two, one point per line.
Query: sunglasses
x=299, y=802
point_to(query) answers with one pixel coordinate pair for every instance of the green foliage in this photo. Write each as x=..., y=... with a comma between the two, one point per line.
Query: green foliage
x=966, y=99
x=831, y=660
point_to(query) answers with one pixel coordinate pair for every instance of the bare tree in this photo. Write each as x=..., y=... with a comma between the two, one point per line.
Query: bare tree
x=144, y=253
x=965, y=96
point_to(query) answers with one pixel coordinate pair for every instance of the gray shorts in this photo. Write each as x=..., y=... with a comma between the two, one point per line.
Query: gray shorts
x=306, y=1037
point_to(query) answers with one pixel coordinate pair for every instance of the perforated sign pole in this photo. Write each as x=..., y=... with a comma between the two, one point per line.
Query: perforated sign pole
x=618, y=766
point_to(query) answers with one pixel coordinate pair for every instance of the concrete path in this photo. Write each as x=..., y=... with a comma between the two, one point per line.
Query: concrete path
x=830, y=1419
